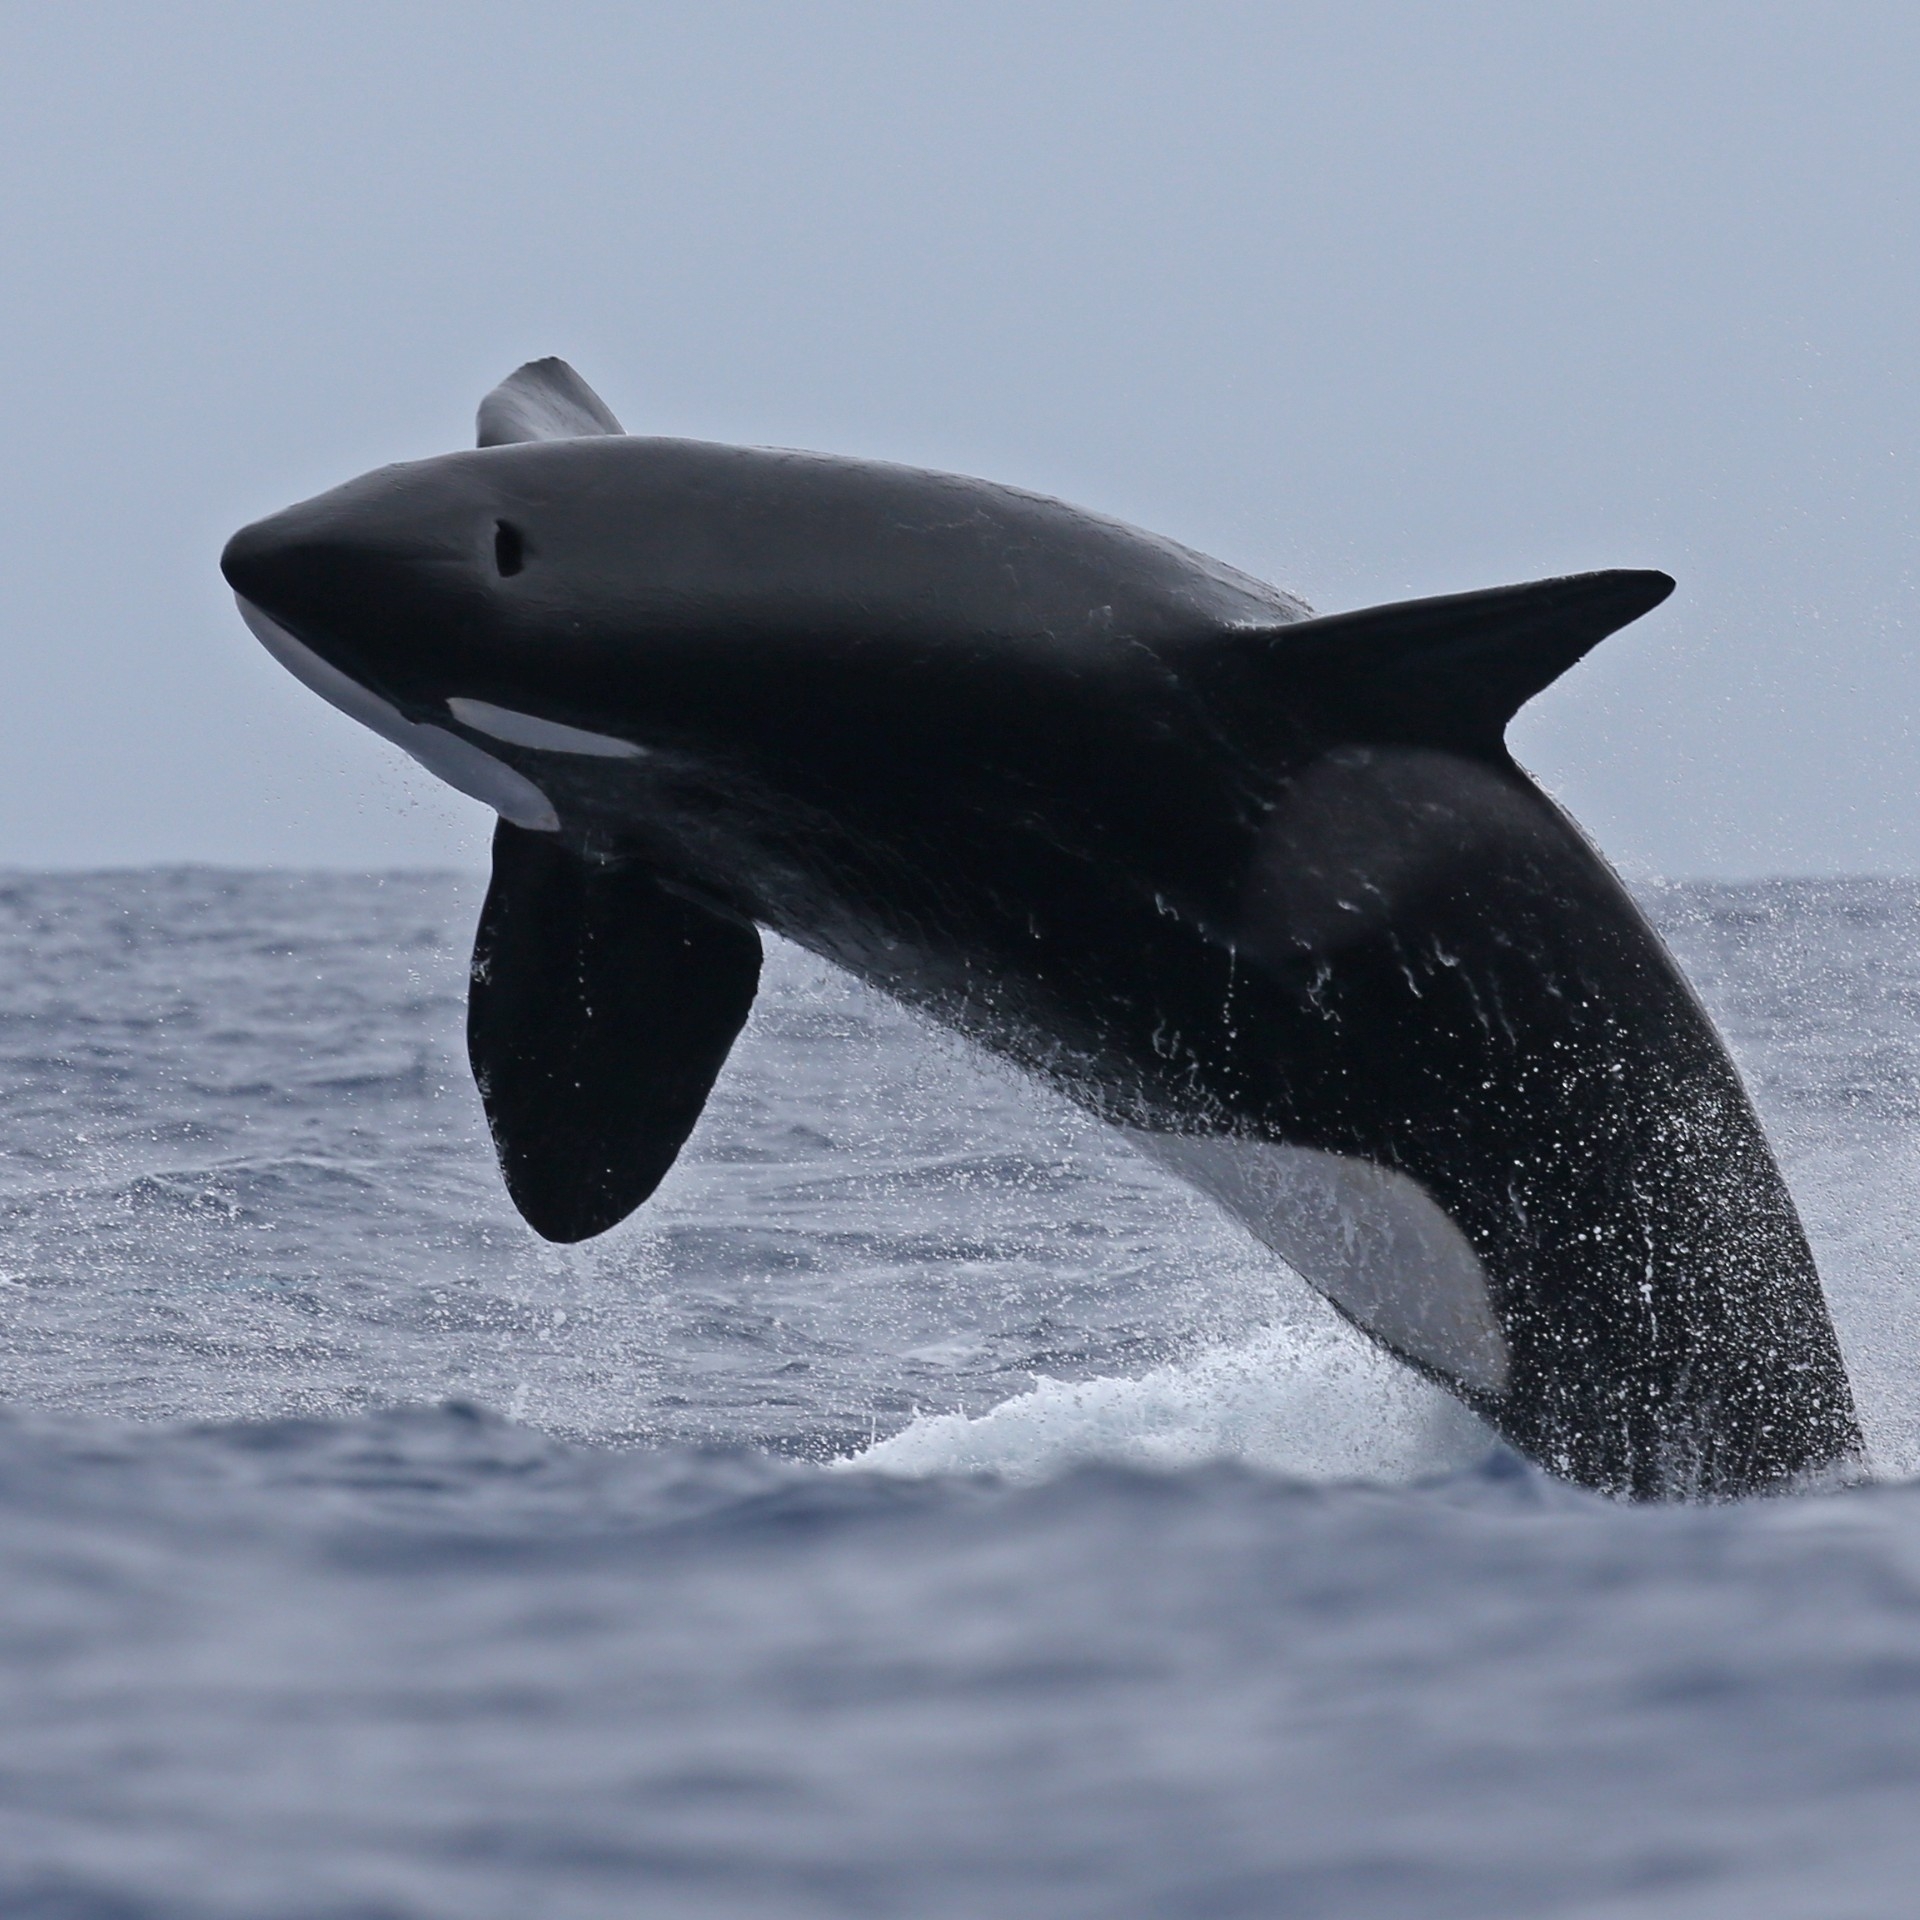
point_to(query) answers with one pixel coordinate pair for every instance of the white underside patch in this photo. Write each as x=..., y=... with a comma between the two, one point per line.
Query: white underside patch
x=458, y=762
x=529, y=730
x=1372, y=1240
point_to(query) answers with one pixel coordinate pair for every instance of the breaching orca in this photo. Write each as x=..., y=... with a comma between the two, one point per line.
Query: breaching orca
x=1265, y=890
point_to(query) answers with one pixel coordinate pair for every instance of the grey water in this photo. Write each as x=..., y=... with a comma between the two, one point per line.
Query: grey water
x=922, y=1508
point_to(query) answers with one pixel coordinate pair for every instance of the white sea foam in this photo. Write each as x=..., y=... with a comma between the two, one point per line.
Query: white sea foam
x=1310, y=1400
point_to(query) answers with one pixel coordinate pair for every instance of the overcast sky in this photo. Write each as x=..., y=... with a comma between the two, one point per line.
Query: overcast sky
x=1371, y=300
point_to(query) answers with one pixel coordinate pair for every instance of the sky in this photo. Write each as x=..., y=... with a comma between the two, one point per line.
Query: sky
x=1371, y=300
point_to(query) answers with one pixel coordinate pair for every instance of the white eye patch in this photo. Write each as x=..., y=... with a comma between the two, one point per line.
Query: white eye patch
x=456, y=761
x=549, y=736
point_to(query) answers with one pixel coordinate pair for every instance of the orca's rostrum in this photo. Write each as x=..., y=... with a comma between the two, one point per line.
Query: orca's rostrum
x=1263, y=889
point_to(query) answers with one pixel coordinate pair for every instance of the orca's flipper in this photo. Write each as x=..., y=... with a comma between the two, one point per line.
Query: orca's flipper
x=601, y=1010
x=544, y=400
x=1455, y=670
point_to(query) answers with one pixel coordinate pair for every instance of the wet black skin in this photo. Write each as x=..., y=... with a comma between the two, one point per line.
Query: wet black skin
x=1128, y=818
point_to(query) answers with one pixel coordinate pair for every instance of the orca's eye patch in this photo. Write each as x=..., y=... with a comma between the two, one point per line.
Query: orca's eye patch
x=509, y=548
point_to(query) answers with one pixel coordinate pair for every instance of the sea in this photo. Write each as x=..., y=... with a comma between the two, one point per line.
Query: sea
x=924, y=1507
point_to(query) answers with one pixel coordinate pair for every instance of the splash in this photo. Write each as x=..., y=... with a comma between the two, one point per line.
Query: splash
x=1311, y=1401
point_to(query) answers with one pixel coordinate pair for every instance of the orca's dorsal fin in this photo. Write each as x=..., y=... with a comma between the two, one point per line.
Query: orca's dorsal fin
x=1454, y=670
x=601, y=1010
x=544, y=400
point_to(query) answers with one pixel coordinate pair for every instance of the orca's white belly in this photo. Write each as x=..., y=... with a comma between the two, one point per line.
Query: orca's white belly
x=1372, y=1240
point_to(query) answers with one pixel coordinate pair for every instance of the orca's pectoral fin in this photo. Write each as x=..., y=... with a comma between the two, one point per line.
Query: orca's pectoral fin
x=601, y=1010
x=1454, y=670
x=544, y=400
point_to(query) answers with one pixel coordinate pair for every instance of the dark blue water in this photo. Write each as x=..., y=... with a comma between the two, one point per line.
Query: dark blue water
x=925, y=1508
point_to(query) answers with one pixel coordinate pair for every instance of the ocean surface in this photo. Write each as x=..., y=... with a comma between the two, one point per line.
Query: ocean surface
x=924, y=1508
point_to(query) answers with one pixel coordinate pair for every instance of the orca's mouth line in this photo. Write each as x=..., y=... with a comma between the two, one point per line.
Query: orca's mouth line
x=456, y=761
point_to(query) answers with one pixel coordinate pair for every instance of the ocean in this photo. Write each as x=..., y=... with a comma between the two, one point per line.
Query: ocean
x=924, y=1507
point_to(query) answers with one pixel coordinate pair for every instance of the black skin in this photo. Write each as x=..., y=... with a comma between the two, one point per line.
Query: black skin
x=589, y=980
x=1126, y=817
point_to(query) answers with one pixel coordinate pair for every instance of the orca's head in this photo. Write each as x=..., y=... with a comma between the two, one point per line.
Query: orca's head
x=569, y=591
x=421, y=599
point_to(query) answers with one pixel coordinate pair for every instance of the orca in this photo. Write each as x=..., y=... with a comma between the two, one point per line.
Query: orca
x=1262, y=888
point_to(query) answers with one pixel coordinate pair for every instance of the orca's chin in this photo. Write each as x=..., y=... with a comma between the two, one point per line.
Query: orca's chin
x=456, y=761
